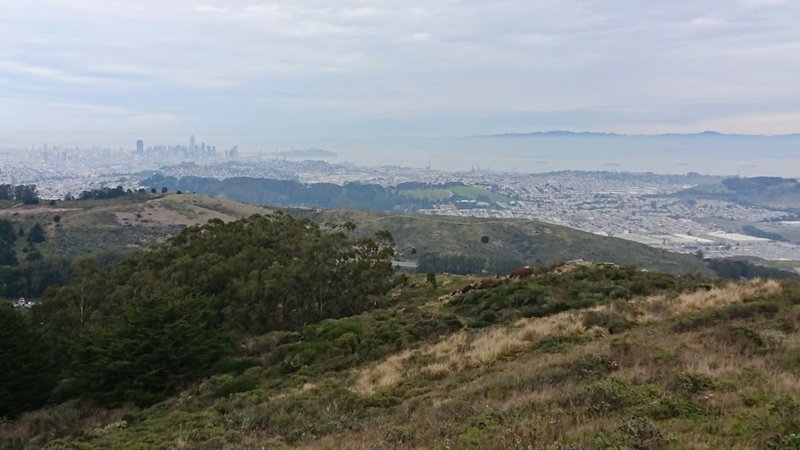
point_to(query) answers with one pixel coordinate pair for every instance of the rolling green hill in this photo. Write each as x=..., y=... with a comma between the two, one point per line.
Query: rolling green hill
x=408, y=197
x=134, y=222
x=511, y=242
x=127, y=223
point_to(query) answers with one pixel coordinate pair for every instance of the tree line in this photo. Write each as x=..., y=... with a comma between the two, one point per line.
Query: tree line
x=24, y=271
x=25, y=193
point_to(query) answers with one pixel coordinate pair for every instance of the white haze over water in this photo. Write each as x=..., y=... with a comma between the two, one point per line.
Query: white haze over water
x=533, y=155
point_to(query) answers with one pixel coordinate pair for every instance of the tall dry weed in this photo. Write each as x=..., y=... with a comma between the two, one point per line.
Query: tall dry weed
x=475, y=348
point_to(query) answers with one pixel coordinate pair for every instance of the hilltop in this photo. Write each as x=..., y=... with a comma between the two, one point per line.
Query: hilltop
x=130, y=222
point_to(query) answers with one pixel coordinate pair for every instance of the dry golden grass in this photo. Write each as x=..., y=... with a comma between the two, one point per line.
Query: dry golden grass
x=295, y=391
x=479, y=348
x=531, y=412
x=384, y=374
x=659, y=307
x=184, y=209
x=466, y=349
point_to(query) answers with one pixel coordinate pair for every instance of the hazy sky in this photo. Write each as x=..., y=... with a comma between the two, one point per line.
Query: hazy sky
x=108, y=71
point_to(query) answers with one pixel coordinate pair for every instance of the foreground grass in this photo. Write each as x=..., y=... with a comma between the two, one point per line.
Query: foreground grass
x=690, y=364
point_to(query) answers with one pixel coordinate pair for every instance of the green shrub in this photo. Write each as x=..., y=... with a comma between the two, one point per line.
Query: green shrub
x=477, y=323
x=242, y=383
x=608, y=396
x=585, y=367
x=668, y=406
x=689, y=384
x=452, y=321
x=591, y=366
x=611, y=321
x=640, y=433
x=488, y=316
x=231, y=364
x=736, y=311
x=398, y=434
x=323, y=410
x=787, y=411
x=341, y=343
x=742, y=337
x=789, y=441
x=557, y=343
x=789, y=360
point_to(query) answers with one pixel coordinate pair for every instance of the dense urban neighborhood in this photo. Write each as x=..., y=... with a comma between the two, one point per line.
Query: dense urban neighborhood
x=642, y=207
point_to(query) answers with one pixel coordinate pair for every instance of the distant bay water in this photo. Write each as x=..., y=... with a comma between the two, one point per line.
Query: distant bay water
x=707, y=153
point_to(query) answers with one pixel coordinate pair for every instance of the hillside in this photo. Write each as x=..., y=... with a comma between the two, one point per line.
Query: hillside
x=511, y=243
x=576, y=356
x=408, y=197
x=767, y=192
x=130, y=223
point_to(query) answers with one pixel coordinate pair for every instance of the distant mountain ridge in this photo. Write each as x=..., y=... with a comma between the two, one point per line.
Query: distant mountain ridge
x=702, y=134
x=705, y=152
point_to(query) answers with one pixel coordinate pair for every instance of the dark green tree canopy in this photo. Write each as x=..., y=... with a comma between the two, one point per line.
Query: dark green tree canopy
x=7, y=237
x=158, y=320
x=25, y=193
x=25, y=376
x=36, y=234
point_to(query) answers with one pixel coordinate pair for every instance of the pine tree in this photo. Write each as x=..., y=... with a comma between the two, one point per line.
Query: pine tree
x=25, y=375
x=36, y=234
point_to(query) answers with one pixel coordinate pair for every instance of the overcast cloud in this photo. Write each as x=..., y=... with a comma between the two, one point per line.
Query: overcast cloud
x=116, y=69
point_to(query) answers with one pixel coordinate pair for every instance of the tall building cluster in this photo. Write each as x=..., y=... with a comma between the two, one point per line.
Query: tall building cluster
x=179, y=152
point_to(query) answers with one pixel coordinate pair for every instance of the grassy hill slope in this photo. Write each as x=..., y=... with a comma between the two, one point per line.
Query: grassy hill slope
x=129, y=222
x=631, y=359
x=136, y=222
x=520, y=240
